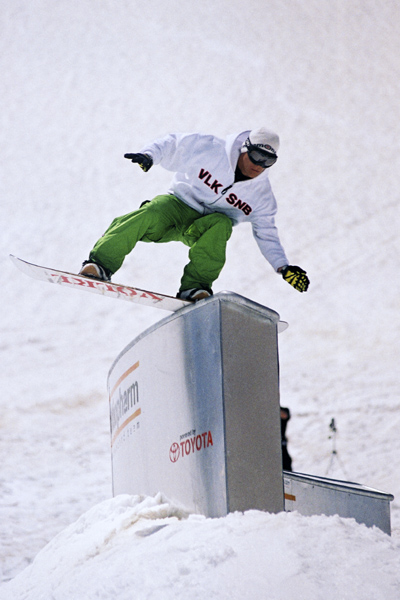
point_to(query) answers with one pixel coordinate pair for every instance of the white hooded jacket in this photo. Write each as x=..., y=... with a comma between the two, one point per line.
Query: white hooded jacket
x=204, y=179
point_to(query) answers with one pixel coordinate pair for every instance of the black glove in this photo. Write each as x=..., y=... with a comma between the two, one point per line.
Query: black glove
x=144, y=161
x=296, y=277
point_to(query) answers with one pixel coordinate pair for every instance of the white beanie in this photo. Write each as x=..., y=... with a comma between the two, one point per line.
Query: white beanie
x=265, y=138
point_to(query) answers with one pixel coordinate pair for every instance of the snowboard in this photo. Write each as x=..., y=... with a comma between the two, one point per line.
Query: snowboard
x=105, y=288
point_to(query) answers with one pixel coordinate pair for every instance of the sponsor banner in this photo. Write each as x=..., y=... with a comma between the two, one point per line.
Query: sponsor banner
x=192, y=444
x=124, y=403
x=167, y=424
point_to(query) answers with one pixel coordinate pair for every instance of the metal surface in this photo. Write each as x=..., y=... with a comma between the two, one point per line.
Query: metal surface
x=310, y=495
x=251, y=408
x=194, y=408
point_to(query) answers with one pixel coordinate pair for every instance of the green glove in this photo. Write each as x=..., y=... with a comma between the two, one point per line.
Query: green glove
x=144, y=161
x=296, y=277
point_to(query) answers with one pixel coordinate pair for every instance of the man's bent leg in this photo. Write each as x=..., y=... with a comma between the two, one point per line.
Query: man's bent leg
x=156, y=221
x=207, y=238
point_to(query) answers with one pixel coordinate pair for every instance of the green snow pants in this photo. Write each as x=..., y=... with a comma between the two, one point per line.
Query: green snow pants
x=167, y=219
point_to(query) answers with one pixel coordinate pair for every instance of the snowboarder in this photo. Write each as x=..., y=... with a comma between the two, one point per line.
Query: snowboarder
x=217, y=184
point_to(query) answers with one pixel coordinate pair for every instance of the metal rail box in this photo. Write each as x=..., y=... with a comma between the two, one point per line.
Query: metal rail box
x=311, y=495
x=194, y=407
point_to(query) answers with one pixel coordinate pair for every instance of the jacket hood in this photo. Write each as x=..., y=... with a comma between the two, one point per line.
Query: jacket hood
x=234, y=143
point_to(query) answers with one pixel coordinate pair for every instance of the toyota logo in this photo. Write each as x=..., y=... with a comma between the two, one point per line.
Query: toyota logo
x=174, y=452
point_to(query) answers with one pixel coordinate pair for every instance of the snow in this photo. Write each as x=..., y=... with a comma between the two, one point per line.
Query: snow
x=85, y=82
x=132, y=547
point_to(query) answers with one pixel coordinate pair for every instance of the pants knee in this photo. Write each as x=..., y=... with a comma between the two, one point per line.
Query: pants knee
x=217, y=223
x=225, y=223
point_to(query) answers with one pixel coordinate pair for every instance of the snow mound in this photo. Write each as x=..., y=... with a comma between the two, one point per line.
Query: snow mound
x=147, y=547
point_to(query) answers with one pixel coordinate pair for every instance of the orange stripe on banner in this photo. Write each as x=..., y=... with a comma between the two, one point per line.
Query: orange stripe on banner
x=128, y=372
x=136, y=414
x=290, y=497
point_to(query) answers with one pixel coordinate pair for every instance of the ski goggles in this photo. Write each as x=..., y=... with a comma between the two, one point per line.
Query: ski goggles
x=259, y=156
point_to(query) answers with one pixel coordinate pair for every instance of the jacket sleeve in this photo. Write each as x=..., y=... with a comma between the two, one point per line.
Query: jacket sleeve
x=267, y=238
x=172, y=151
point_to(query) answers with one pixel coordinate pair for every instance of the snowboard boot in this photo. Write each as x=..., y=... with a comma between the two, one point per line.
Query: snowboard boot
x=194, y=294
x=95, y=271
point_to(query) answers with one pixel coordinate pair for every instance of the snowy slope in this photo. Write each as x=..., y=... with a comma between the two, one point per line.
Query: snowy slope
x=83, y=82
